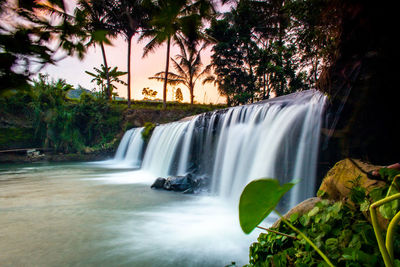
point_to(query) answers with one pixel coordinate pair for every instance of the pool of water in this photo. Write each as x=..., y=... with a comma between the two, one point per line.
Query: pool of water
x=88, y=214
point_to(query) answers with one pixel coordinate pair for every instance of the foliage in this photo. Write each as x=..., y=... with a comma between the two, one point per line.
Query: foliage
x=17, y=137
x=92, y=17
x=387, y=248
x=104, y=76
x=178, y=95
x=337, y=228
x=62, y=124
x=171, y=19
x=266, y=48
x=340, y=229
x=28, y=39
x=128, y=17
x=259, y=199
x=147, y=131
x=188, y=66
x=149, y=93
x=255, y=205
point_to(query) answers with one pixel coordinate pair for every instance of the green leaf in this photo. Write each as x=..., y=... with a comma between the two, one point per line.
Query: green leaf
x=388, y=210
x=365, y=205
x=321, y=193
x=294, y=217
x=357, y=194
x=313, y=212
x=259, y=198
x=388, y=174
x=304, y=220
x=331, y=243
x=100, y=36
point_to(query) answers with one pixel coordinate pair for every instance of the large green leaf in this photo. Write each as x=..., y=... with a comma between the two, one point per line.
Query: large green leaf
x=259, y=198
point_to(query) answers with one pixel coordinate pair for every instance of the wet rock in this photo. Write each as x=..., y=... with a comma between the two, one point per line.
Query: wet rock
x=158, y=183
x=189, y=191
x=188, y=184
x=179, y=183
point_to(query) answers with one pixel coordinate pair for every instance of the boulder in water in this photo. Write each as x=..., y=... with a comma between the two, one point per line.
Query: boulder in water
x=188, y=184
x=158, y=183
x=179, y=183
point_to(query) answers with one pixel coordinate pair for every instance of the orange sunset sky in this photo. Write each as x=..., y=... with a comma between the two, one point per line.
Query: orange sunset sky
x=73, y=70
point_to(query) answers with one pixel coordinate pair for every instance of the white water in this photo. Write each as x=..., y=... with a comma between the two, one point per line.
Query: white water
x=130, y=150
x=111, y=217
x=276, y=139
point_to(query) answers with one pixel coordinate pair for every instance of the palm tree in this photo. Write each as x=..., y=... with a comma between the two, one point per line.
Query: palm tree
x=188, y=66
x=109, y=75
x=96, y=21
x=128, y=16
x=170, y=18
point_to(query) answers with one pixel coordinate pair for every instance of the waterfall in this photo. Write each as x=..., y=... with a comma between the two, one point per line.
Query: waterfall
x=276, y=138
x=130, y=149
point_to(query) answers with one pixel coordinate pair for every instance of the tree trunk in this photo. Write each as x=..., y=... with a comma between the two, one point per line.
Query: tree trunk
x=191, y=91
x=103, y=52
x=166, y=74
x=129, y=71
x=264, y=85
x=191, y=95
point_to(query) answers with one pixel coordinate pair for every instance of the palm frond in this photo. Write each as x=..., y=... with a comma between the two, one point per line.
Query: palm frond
x=150, y=46
x=179, y=68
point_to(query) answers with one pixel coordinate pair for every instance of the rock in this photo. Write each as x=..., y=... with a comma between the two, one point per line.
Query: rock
x=200, y=182
x=189, y=191
x=178, y=183
x=340, y=178
x=301, y=208
x=158, y=183
x=187, y=184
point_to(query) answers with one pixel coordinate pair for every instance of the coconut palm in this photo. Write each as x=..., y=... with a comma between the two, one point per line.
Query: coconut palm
x=170, y=18
x=188, y=66
x=96, y=21
x=129, y=17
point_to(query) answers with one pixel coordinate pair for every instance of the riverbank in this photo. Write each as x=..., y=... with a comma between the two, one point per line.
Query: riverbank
x=18, y=157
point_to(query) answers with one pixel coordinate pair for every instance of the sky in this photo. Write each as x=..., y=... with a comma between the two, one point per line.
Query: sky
x=73, y=70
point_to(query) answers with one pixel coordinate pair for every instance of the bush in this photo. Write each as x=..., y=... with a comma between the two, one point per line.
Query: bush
x=147, y=131
x=62, y=124
x=339, y=230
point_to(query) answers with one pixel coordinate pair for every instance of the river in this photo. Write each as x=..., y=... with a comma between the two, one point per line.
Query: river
x=85, y=214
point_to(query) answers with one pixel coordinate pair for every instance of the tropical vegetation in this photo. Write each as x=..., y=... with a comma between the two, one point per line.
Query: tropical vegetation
x=340, y=233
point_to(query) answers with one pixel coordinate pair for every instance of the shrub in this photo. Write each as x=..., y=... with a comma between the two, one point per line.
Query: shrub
x=338, y=229
x=147, y=131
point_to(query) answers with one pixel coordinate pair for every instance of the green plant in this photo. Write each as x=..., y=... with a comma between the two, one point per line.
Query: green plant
x=259, y=198
x=147, y=131
x=336, y=228
x=386, y=248
x=341, y=229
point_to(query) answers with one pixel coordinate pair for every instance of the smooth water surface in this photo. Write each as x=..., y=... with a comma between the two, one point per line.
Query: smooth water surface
x=85, y=215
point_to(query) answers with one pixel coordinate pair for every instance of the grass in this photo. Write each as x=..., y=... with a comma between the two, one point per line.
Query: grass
x=142, y=104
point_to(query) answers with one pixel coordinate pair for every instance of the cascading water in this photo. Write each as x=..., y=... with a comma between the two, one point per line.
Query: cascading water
x=130, y=149
x=277, y=138
x=125, y=223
